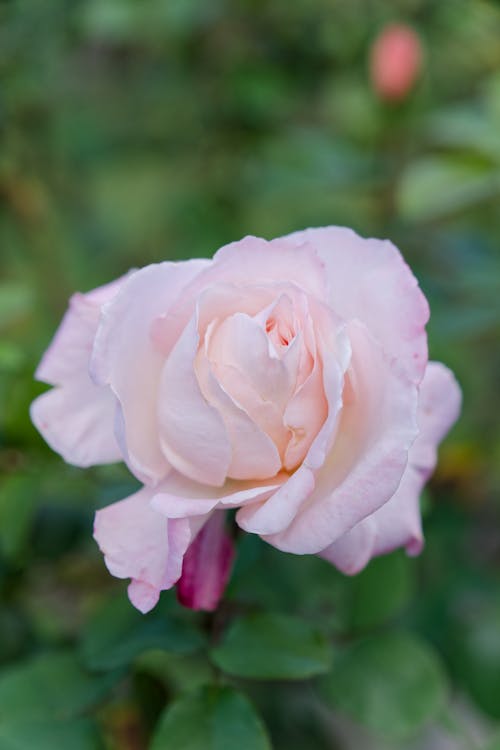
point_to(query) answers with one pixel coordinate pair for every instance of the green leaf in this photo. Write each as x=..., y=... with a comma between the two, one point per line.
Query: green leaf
x=475, y=649
x=212, y=718
x=117, y=634
x=52, y=686
x=16, y=301
x=18, y=500
x=392, y=684
x=273, y=647
x=43, y=735
x=436, y=186
x=494, y=743
x=381, y=590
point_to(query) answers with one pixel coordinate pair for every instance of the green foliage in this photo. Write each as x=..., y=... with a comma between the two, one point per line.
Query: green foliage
x=392, y=683
x=273, y=647
x=213, y=718
x=80, y=734
x=475, y=648
x=40, y=701
x=117, y=634
x=50, y=686
x=381, y=590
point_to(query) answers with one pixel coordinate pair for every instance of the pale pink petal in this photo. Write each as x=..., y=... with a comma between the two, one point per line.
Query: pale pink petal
x=143, y=596
x=141, y=544
x=77, y=421
x=182, y=498
x=193, y=436
x=126, y=358
x=207, y=566
x=307, y=410
x=398, y=522
x=241, y=345
x=133, y=539
x=354, y=549
x=76, y=418
x=370, y=281
x=253, y=453
x=364, y=467
x=255, y=259
x=274, y=514
x=278, y=512
x=181, y=532
x=439, y=405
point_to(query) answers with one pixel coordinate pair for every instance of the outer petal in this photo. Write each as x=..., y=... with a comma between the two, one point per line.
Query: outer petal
x=126, y=357
x=370, y=281
x=139, y=543
x=369, y=456
x=76, y=418
x=398, y=522
x=133, y=539
x=180, y=498
x=261, y=261
x=352, y=551
x=207, y=566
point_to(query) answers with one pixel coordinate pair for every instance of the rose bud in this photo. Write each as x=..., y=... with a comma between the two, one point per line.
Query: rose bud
x=396, y=59
x=288, y=380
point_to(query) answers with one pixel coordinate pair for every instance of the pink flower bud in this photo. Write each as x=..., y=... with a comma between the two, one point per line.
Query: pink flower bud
x=395, y=61
x=206, y=566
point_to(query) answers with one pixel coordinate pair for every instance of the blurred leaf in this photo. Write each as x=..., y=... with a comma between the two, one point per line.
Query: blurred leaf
x=463, y=128
x=475, y=647
x=45, y=735
x=16, y=300
x=391, y=683
x=18, y=500
x=52, y=686
x=180, y=671
x=273, y=647
x=436, y=186
x=381, y=590
x=12, y=356
x=117, y=634
x=13, y=633
x=213, y=718
x=493, y=744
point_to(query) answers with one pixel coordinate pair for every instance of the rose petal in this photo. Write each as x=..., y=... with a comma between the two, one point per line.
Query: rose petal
x=276, y=514
x=253, y=453
x=261, y=261
x=241, y=346
x=354, y=549
x=192, y=433
x=182, y=498
x=77, y=417
x=133, y=539
x=370, y=281
x=77, y=422
x=398, y=522
x=364, y=467
x=126, y=357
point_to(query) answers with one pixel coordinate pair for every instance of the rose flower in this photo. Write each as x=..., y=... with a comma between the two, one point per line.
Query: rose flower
x=287, y=379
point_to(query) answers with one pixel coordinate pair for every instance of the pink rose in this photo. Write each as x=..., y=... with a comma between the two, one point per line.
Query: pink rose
x=396, y=59
x=287, y=379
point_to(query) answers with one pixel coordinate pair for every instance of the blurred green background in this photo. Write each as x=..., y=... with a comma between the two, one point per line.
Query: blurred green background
x=136, y=132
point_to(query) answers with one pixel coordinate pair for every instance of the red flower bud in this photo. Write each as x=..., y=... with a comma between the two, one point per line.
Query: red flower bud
x=395, y=61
